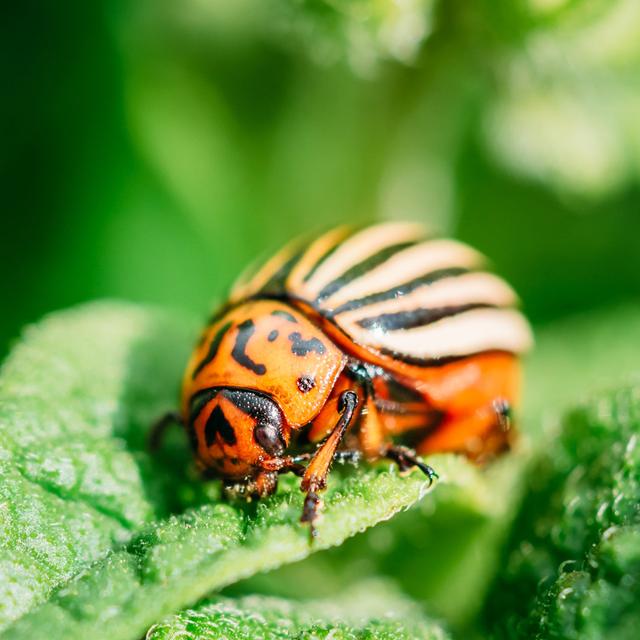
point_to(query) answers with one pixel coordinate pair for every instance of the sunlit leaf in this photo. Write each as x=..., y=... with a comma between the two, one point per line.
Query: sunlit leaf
x=370, y=610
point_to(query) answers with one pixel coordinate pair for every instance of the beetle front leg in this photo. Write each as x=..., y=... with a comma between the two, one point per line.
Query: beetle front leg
x=286, y=464
x=315, y=476
x=263, y=485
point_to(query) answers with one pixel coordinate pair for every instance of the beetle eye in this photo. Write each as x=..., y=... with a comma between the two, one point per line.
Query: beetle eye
x=269, y=438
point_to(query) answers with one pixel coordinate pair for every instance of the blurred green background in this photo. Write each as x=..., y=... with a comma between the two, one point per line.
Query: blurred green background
x=153, y=148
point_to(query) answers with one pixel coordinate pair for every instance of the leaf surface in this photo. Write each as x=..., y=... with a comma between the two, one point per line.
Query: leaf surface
x=572, y=569
x=75, y=397
x=370, y=610
x=87, y=532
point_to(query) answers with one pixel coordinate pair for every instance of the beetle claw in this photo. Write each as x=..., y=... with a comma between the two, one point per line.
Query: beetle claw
x=310, y=509
x=406, y=459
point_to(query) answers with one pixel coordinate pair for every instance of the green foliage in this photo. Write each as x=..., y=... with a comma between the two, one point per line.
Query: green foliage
x=573, y=569
x=575, y=358
x=370, y=610
x=75, y=396
x=364, y=32
x=85, y=521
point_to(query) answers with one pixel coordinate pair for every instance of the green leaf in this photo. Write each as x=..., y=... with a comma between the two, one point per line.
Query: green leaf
x=75, y=396
x=370, y=610
x=573, y=567
x=85, y=508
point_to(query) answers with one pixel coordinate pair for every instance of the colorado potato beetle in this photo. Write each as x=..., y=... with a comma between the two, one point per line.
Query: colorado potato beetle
x=354, y=344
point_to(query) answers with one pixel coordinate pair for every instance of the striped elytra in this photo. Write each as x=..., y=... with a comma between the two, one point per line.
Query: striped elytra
x=355, y=343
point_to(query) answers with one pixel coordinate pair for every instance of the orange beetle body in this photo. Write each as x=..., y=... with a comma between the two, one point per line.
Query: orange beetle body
x=342, y=346
x=268, y=347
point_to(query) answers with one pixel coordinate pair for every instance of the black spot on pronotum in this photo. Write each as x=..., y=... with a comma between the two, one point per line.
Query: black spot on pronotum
x=300, y=347
x=213, y=349
x=284, y=314
x=272, y=335
x=245, y=330
x=217, y=423
x=305, y=383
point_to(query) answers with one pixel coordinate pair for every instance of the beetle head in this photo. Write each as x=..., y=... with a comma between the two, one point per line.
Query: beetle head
x=238, y=431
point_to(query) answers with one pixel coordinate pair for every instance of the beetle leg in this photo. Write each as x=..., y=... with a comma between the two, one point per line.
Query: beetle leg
x=284, y=464
x=292, y=464
x=301, y=457
x=407, y=459
x=504, y=413
x=158, y=430
x=324, y=423
x=315, y=476
x=264, y=484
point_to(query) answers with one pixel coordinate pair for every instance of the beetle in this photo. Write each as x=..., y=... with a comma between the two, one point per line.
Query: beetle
x=354, y=344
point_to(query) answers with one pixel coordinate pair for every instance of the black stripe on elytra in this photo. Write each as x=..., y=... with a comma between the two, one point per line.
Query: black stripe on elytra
x=217, y=423
x=245, y=330
x=401, y=289
x=276, y=284
x=281, y=313
x=361, y=268
x=417, y=317
x=213, y=349
x=323, y=258
x=300, y=347
x=437, y=362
